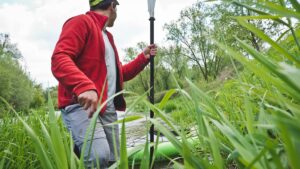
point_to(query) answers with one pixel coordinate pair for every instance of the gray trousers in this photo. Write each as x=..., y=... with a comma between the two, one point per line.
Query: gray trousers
x=103, y=150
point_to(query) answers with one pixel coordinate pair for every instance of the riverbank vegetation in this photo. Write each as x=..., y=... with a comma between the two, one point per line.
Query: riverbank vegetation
x=231, y=74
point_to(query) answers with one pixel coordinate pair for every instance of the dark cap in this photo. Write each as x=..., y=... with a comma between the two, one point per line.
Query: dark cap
x=96, y=2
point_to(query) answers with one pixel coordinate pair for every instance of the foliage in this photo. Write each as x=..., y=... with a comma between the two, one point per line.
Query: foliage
x=191, y=34
x=8, y=48
x=250, y=122
x=38, y=99
x=53, y=91
x=16, y=148
x=254, y=121
x=163, y=72
x=47, y=143
x=16, y=86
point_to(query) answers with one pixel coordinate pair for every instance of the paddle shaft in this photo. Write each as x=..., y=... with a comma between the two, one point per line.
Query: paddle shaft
x=152, y=19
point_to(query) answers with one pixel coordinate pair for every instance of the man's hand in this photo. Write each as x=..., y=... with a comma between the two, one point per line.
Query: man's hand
x=150, y=50
x=89, y=100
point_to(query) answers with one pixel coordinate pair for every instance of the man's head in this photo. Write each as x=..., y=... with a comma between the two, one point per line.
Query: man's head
x=109, y=7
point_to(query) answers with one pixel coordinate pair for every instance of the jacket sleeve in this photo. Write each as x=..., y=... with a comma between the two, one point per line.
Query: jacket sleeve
x=70, y=44
x=133, y=68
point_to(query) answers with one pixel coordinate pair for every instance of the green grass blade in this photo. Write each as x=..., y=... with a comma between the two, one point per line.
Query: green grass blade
x=162, y=115
x=266, y=38
x=296, y=5
x=258, y=12
x=245, y=149
x=56, y=137
x=210, y=104
x=50, y=144
x=166, y=98
x=289, y=129
x=262, y=72
x=73, y=157
x=274, y=69
x=40, y=149
x=129, y=119
x=257, y=158
x=276, y=157
x=279, y=10
x=145, y=164
x=282, y=35
x=155, y=149
x=115, y=136
x=123, y=148
x=3, y=160
x=130, y=153
x=249, y=115
x=259, y=17
x=215, y=147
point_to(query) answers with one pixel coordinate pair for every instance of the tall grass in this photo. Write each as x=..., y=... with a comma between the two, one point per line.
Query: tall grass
x=261, y=130
x=252, y=122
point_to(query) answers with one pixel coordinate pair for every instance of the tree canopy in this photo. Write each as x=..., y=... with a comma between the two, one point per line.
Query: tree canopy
x=16, y=87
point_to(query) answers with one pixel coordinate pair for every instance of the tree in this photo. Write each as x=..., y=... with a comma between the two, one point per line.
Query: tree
x=192, y=32
x=16, y=87
x=174, y=63
x=227, y=28
x=7, y=47
x=200, y=25
x=141, y=83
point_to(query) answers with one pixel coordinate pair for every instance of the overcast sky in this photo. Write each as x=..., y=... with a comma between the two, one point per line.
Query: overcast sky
x=35, y=25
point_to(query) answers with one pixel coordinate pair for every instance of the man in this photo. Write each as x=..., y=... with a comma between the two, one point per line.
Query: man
x=86, y=64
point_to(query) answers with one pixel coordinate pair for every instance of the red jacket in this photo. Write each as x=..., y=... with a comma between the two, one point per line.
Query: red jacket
x=78, y=61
